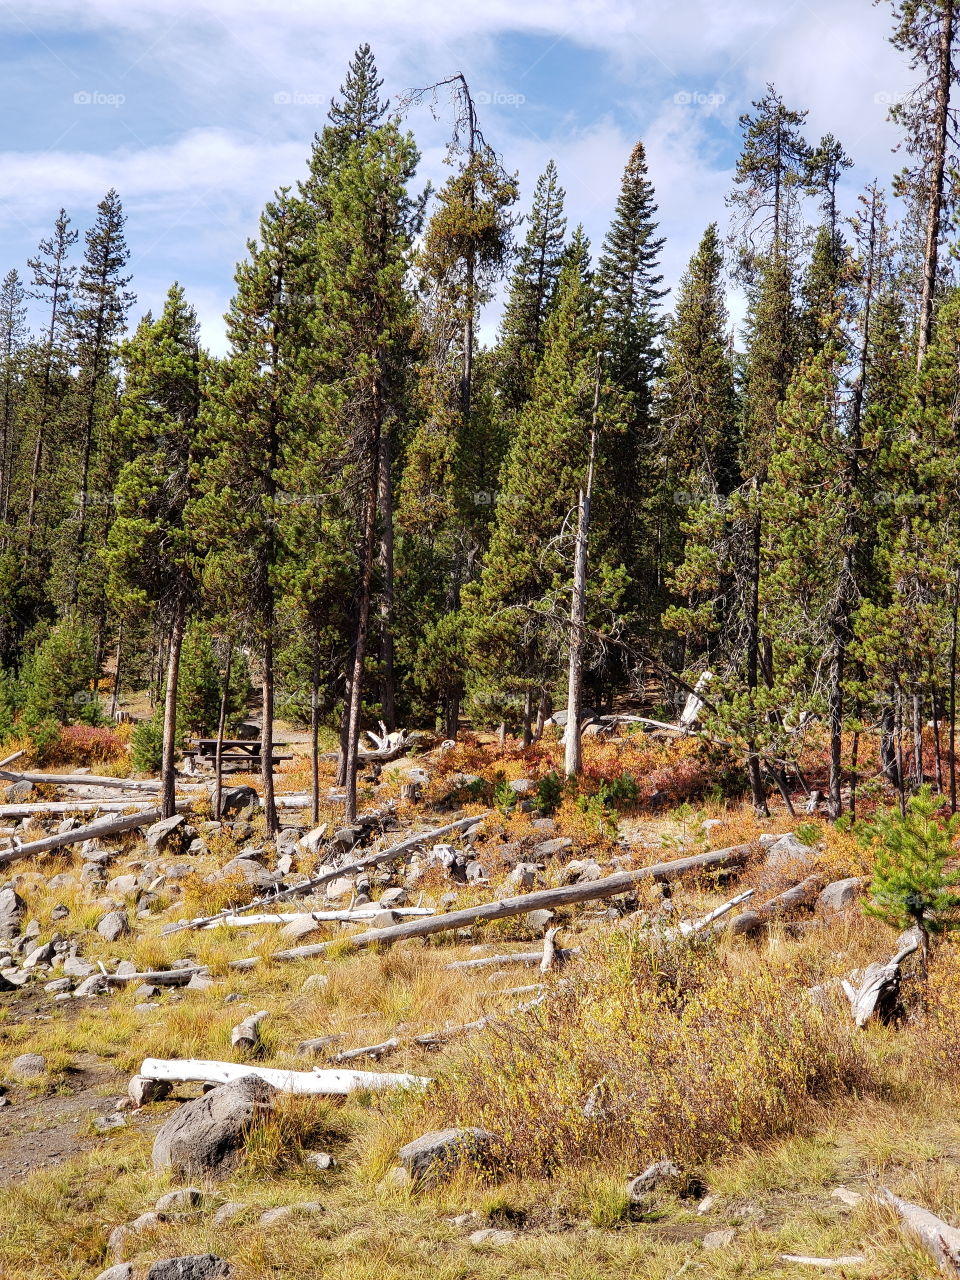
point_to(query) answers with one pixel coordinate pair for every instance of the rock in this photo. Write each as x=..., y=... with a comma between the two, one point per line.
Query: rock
x=141, y=1091
x=521, y=878
x=169, y=836
x=492, y=1236
x=123, y=886
x=18, y=792
x=719, y=1239
x=253, y=872
x=39, y=955
x=122, y=1271
x=206, y=1136
x=440, y=1152
x=837, y=896
x=113, y=925
x=314, y=839
x=146, y=991
x=198, y=1266
x=347, y=837
x=283, y=1211
x=846, y=1196
x=95, y=985
x=12, y=910
x=182, y=1198
x=200, y=982
x=104, y=1124
x=391, y=898
x=522, y=786
x=74, y=967
x=396, y=1177
x=659, y=1174
x=118, y=1236
x=550, y=848
x=58, y=985
x=239, y=800
x=342, y=887
x=788, y=852
x=706, y=1204
x=538, y=921
x=229, y=1210
x=319, y=1160
x=316, y=982
x=59, y=912
x=125, y=967
x=29, y=1064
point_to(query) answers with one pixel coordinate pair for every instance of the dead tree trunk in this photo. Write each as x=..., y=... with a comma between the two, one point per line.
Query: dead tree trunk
x=573, y=752
x=168, y=778
x=221, y=728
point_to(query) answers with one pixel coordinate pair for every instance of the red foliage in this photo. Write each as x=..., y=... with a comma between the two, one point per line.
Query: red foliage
x=82, y=744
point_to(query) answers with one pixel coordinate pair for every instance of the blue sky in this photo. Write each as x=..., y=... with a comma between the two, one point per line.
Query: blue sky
x=196, y=110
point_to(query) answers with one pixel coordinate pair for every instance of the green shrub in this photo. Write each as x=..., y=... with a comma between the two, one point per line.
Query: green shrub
x=146, y=744
x=57, y=678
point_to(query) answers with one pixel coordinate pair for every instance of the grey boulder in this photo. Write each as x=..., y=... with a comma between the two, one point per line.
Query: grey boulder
x=113, y=925
x=206, y=1136
x=442, y=1151
x=836, y=897
x=12, y=910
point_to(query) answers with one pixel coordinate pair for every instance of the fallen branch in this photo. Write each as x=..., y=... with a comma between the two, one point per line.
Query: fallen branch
x=356, y=915
x=879, y=991
x=550, y=954
x=300, y=890
x=308, y=1082
x=158, y=977
x=686, y=928
x=545, y=899
x=93, y=831
x=851, y=1260
x=368, y=1051
x=939, y=1239
x=60, y=808
x=529, y=958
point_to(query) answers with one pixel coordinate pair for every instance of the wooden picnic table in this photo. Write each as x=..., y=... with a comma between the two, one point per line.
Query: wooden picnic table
x=236, y=752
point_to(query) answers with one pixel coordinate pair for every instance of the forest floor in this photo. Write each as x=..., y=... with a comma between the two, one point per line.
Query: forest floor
x=711, y=1055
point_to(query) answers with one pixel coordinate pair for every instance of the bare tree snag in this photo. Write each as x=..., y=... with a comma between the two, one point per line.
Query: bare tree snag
x=878, y=994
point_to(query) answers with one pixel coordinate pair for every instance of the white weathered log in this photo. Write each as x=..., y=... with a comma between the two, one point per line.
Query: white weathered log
x=93, y=831
x=351, y=869
x=546, y=899
x=60, y=808
x=528, y=958
x=246, y=1034
x=688, y=927
x=937, y=1237
x=879, y=986
x=368, y=1051
x=320, y=1082
x=694, y=703
x=549, y=950
x=82, y=780
x=158, y=977
x=10, y=759
x=798, y=895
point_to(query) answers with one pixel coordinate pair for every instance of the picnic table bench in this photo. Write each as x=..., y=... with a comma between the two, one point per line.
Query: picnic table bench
x=238, y=754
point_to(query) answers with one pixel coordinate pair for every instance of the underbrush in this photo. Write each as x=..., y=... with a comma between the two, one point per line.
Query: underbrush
x=656, y=1052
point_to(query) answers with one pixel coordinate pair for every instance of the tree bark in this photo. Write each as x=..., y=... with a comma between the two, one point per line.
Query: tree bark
x=266, y=735
x=363, y=625
x=221, y=727
x=314, y=745
x=388, y=696
x=168, y=776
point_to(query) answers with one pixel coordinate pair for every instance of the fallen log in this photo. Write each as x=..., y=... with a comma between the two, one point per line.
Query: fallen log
x=687, y=928
x=317, y=1081
x=10, y=759
x=878, y=994
x=93, y=831
x=937, y=1237
x=529, y=958
x=368, y=1051
x=157, y=977
x=301, y=890
x=850, y=1260
x=544, y=899
x=357, y=916
x=61, y=808
x=82, y=780
x=798, y=895
x=246, y=1034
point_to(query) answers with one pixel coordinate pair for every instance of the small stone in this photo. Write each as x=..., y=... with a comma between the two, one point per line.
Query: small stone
x=227, y=1212
x=59, y=912
x=846, y=1196
x=113, y=925
x=199, y=1266
x=122, y=1271
x=657, y=1175
x=538, y=921
x=719, y=1239
x=77, y=968
x=182, y=1198
x=391, y=898
x=169, y=836
x=118, y=1236
x=123, y=886
x=146, y=991
x=104, y=1124
x=341, y=887
x=839, y=896
x=39, y=956
x=141, y=1090
x=58, y=985
x=28, y=1065
x=491, y=1236
x=397, y=1177
x=95, y=985
x=271, y=1216
x=320, y=1160
x=706, y=1204
x=200, y=982
x=316, y=982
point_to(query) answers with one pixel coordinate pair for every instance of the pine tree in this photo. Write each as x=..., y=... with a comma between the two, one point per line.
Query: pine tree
x=515, y=611
x=13, y=334
x=151, y=554
x=697, y=399
x=97, y=320
x=532, y=284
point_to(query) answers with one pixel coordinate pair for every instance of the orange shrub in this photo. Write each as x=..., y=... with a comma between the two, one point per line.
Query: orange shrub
x=82, y=744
